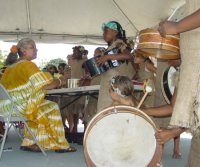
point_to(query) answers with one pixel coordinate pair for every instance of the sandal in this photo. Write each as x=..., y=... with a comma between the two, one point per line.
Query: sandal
x=32, y=148
x=68, y=150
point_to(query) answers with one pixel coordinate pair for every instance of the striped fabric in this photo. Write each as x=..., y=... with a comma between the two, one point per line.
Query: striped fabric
x=24, y=82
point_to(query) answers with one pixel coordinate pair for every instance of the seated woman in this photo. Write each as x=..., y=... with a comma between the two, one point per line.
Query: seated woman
x=27, y=86
x=122, y=91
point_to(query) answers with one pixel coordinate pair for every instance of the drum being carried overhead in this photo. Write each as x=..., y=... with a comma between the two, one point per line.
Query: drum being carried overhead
x=152, y=44
x=121, y=136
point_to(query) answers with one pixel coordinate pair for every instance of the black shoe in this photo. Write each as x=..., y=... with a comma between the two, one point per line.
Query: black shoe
x=69, y=150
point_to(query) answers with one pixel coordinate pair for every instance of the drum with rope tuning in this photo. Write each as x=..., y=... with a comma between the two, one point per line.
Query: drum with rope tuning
x=151, y=43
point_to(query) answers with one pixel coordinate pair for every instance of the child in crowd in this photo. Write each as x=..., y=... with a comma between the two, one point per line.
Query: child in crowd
x=91, y=108
x=122, y=91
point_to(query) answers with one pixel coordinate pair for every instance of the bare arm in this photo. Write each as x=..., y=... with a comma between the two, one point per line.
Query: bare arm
x=119, y=57
x=150, y=66
x=126, y=55
x=162, y=111
x=164, y=135
x=189, y=23
x=186, y=24
x=55, y=83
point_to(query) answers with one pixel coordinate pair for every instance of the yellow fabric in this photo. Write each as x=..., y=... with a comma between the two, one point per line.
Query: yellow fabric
x=24, y=82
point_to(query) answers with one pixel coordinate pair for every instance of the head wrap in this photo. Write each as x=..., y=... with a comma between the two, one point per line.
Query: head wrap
x=114, y=26
x=111, y=25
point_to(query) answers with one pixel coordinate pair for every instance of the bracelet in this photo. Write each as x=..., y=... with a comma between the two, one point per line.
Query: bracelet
x=60, y=84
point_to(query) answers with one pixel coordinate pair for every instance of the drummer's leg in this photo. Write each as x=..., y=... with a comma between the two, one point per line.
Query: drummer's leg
x=75, y=121
x=177, y=152
x=70, y=120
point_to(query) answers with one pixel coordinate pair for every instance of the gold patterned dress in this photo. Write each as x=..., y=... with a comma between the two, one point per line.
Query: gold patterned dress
x=24, y=82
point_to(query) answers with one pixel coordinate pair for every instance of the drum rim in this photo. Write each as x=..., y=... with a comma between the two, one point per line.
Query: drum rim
x=165, y=87
x=89, y=60
x=155, y=31
x=94, y=120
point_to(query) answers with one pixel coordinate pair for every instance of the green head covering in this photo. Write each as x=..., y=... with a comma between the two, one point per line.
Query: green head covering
x=112, y=25
x=116, y=27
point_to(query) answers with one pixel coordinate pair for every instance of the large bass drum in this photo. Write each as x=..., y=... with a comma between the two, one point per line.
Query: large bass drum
x=168, y=83
x=152, y=44
x=121, y=136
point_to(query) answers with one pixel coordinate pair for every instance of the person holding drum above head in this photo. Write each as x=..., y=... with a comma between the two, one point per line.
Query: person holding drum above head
x=186, y=110
x=122, y=91
x=116, y=53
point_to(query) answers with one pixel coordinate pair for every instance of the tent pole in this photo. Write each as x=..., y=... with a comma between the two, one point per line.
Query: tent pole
x=28, y=17
x=118, y=7
x=174, y=12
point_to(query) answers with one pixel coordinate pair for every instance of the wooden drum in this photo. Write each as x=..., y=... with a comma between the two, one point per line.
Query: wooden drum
x=151, y=43
x=121, y=136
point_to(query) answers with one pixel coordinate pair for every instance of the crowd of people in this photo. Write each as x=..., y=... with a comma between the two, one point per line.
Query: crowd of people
x=28, y=85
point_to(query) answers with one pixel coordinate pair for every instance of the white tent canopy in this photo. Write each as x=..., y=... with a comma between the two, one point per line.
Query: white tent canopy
x=79, y=21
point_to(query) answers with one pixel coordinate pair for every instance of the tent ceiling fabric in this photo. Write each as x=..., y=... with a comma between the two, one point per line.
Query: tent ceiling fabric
x=79, y=21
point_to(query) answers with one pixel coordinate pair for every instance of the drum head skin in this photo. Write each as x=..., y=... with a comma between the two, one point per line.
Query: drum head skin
x=167, y=85
x=120, y=139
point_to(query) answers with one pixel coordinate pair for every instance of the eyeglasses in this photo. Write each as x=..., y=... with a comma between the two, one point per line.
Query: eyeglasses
x=32, y=48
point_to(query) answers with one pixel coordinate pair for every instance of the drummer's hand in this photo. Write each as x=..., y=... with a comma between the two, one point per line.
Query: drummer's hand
x=168, y=27
x=101, y=60
x=163, y=136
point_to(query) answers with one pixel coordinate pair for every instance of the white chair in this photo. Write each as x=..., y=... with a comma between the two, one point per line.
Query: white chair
x=11, y=118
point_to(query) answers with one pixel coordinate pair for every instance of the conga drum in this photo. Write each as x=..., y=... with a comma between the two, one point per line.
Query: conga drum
x=152, y=44
x=121, y=136
x=168, y=83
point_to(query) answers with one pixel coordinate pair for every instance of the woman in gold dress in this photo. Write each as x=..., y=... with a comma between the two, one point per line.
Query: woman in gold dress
x=27, y=86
